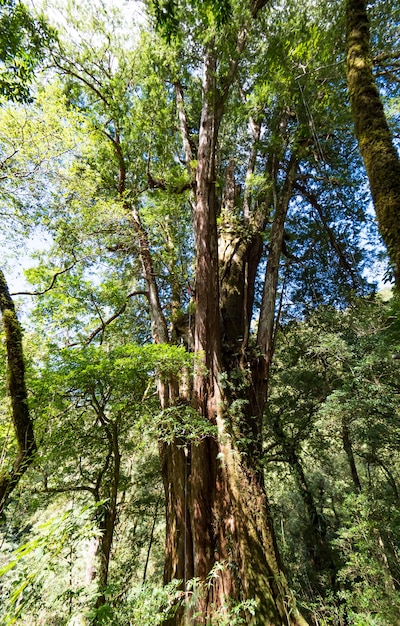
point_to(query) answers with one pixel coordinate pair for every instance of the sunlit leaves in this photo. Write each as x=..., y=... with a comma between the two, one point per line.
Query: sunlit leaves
x=46, y=564
x=211, y=15
x=22, y=46
x=183, y=423
x=118, y=382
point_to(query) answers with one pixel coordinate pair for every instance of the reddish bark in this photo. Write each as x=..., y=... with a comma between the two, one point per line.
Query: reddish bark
x=218, y=523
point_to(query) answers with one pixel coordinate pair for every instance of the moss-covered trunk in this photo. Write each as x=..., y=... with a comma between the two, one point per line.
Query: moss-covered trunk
x=16, y=389
x=381, y=159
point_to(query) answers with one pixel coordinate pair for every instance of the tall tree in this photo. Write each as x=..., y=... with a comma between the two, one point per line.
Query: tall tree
x=217, y=512
x=375, y=140
x=215, y=166
x=223, y=517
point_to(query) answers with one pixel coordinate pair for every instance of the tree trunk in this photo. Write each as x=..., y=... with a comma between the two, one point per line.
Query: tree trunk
x=151, y=539
x=106, y=528
x=219, y=532
x=380, y=157
x=16, y=389
x=316, y=542
x=108, y=510
x=348, y=448
x=219, y=529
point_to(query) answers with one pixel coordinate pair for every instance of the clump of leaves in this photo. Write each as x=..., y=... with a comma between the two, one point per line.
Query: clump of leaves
x=183, y=422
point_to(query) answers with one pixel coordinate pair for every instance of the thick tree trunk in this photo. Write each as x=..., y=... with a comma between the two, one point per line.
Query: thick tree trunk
x=16, y=389
x=219, y=530
x=373, y=135
x=219, y=534
x=175, y=467
x=239, y=543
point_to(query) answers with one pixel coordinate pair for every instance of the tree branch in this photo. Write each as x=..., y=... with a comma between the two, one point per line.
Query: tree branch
x=70, y=72
x=113, y=317
x=256, y=7
x=52, y=283
x=66, y=489
x=159, y=325
x=184, y=127
x=311, y=198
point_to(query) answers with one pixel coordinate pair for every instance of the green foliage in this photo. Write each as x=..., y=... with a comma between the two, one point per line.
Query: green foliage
x=102, y=143
x=22, y=45
x=368, y=585
x=332, y=372
x=42, y=576
x=183, y=423
x=233, y=612
x=79, y=387
x=166, y=12
x=143, y=605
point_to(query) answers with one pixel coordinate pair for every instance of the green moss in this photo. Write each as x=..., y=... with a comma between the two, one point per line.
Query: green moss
x=17, y=391
x=374, y=138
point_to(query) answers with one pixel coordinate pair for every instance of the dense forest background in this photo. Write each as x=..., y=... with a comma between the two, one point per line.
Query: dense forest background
x=200, y=372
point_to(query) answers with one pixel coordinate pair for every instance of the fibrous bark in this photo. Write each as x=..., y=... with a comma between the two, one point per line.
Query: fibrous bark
x=219, y=528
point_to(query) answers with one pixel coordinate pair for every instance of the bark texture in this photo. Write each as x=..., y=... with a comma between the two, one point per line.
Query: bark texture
x=374, y=138
x=16, y=389
x=219, y=532
x=219, y=529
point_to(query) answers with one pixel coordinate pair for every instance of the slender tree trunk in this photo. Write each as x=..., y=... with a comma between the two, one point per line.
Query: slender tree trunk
x=109, y=515
x=380, y=157
x=317, y=545
x=348, y=448
x=16, y=389
x=151, y=539
x=106, y=528
x=390, y=581
x=265, y=335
